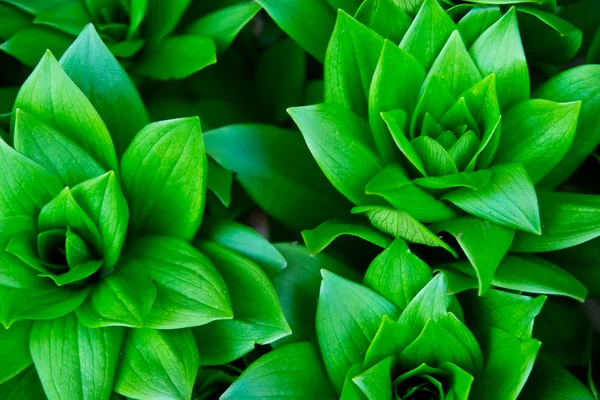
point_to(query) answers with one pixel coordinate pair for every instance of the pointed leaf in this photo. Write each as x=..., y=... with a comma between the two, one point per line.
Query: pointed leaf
x=476, y=21
x=29, y=44
x=396, y=123
x=385, y=18
x=319, y=238
x=14, y=350
x=436, y=159
x=431, y=302
x=473, y=180
x=549, y=381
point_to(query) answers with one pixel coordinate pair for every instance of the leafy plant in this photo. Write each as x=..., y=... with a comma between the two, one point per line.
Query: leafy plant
x=101, y=286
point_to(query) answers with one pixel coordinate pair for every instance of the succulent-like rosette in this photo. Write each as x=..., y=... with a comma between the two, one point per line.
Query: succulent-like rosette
x=402, y=335
x=142, y=34
x=101, y=286
x=439, y=134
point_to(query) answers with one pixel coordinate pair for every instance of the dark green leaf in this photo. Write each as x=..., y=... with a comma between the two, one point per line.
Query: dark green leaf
x=319, y=238
x=161, y=18
x=220, y=182
x=25, y=386
x=385, y=18
x=69, y=17
x=550, y=381
x=14, y=351
x=29, y=44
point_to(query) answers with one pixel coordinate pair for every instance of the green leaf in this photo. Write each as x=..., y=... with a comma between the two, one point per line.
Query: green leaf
x=350, y=63
x=509, y=199
x=393, y=185
x=13, y=20
x=428, y=33
x=510, y=312
x=376, y=382
x=123, y=298
x=385, y=18
x=223, y=25
x=92, y=67
x=69, y=17
x=171, y=58
x=568, y=219
x=436, y=159
x=485, y=244
x=538, y=134
x=308, y=22
x=247, y=242
x=162, y=18
x=220, y=182
x=158, y=364
x=16, y=273
x=435, y=100
x=50, y=96
x=14, y=351
x=339, y=142
x=189, y=289
x=25, y=386
x=258, y=318
x=454, y=67
x=102, y=200
x=137, y=13
x=556, y=40
x=391, y=338
x=28, y=188
x=73, y=361
x=472, y=180
x=293, y=371
x=430, y=303
x=397, y=274
x=551, y=381
x=396, y=123
x=499, y=51
x=273, y=164
x=28, y=45
x=348, y=316
x=396, y=84
x=164, y=178
x=575, y=84
x=476, y=21
x=48, y=147
x=297, y=287
x=508, y=364
x=77, y=273
x=400, y=224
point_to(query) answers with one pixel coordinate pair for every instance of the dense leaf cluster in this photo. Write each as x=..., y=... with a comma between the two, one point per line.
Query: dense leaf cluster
x=381, y=199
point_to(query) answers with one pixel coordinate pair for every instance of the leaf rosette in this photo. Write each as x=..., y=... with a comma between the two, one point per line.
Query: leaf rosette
x=97, y=253
x=440, y=134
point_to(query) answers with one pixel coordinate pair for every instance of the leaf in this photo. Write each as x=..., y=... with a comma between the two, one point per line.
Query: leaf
x=568, y=219
x=338, y=141
x=436, y=159
x=123, y=298
x=474, y=180
x=308, y=22
x=376, y=382
x=14, y=351
x=550, y=381
x=485, y=245
x=393, y=185
x=509, y=199
x=396, y=121
x=477, y=21
x=223, y=25
x=273, y=164
x=164, y=178
x=428, y=33
x=162, y=18
x=27, y=188
x=575, y=84
x=395, y=85
x=348, y=316
x=247, y=242
x=430, y=303
x=258, y=318
x=171, y=58
x=220, y=182
x=297, y=287
x=384, y=17
x=92, y=67
x=557, y=40
x=508, y=364
x=435, y=100
x=73, y=361
x=28, y=45
x=50, y=96
x=189, y=289
x=158, y=364
x=454, y=67
x=499, y=51
x=400, y=224
x=293, y=371
x=25, y=386
x=538, y=134
x=319, y=238
x=69, y=17
x=397, y=274
x=102, y=200
x=58, y=154
x=13, y=20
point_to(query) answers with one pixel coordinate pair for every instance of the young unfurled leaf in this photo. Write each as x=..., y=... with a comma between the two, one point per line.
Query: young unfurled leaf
x=164, y=178
x=397, y=274
x=509, y=199
x=499, y=51
x=351, y=60
x=74, y=361
x=348, y=316
x=293, y=371
x=430, y=303
x=476, y=21
x=537, y=134
x=339, y=141
x=165, y=369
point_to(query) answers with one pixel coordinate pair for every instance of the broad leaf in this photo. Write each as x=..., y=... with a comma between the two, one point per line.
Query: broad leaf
x=385, y=18
x=25, y=386
x=160, y=18
x=430, y=303
x=164, y=178
x=14, y=350
x=476, y=21
x=473, y=180
x=158, y=364
x=28, y=45
x=551, y=381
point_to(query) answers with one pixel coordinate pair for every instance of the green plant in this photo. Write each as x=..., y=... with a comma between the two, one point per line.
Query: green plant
x=101, y=285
